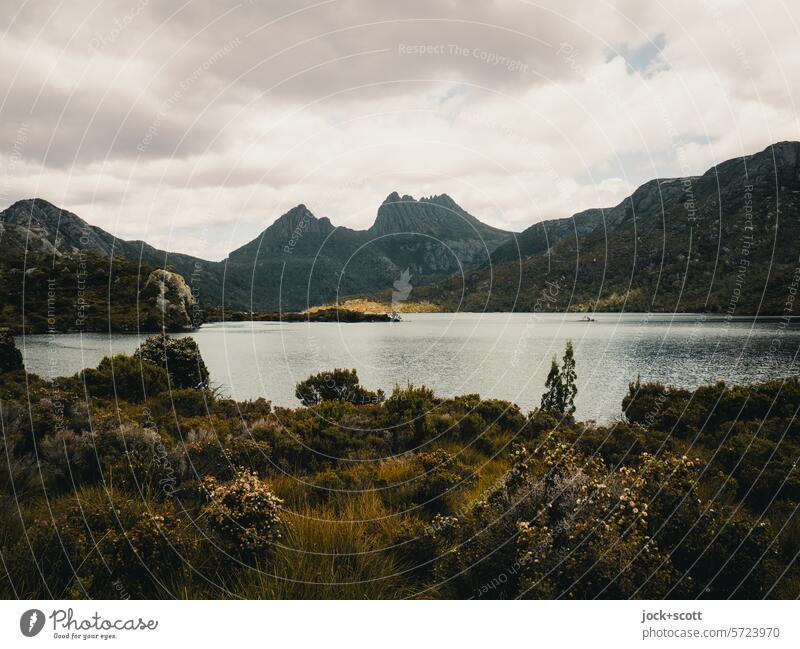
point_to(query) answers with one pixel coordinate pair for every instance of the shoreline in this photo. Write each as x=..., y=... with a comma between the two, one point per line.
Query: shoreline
x=300, y=317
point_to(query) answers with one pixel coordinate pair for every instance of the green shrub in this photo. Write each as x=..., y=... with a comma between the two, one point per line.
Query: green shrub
x=91, y=540
x=139, y=458
x=407, y=412
x=125, y=378
x=10, y=356
x=179, y=356
x=440, y=474
x=220, y=459
x=338, y=385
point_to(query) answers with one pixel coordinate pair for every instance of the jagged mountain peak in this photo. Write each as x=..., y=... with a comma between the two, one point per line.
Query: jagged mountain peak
x=297, y=213
x=442, y=200
x=394, y=197
x=438, y=216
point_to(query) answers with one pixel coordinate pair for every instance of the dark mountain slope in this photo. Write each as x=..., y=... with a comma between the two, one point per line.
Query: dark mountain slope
x=59, y=274
x=42, y=228
x=298, y=261
x=301, y=260
x=725, y=241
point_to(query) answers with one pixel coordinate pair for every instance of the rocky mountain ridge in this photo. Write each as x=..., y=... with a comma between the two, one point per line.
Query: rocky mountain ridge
x=299, y=261
x=723, y=241
x=674, y=244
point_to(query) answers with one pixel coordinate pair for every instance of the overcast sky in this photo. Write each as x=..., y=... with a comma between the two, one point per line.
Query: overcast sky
x=195, y=124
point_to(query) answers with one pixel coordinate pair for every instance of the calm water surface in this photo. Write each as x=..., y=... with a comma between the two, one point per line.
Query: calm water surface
x=506, y=356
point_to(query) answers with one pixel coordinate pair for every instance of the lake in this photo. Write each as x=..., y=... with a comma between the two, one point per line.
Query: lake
x=500, y=355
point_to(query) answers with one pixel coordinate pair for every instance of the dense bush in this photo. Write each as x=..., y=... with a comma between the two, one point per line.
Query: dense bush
x=126, y=378
x=180, y=357
x=88, y=543
x=111, y=480
x=407, y=411
x=10, y=356
x=439, y=474
x=591, y=535
x=708, y=408
x=338, y=385
x=210, y=456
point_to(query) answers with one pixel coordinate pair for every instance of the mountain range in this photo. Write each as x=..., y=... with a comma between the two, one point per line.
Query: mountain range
x=297, y=262
x=727, y=241
x=724, y=241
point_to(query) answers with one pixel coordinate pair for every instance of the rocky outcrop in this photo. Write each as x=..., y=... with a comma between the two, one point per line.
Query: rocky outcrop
x=172, y=299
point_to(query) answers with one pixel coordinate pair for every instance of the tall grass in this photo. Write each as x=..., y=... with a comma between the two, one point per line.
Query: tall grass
x=326, y=556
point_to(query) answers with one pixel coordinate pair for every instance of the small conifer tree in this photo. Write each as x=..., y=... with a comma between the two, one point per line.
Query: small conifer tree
x=560, y=384
x=551, y=399
x=568, y=378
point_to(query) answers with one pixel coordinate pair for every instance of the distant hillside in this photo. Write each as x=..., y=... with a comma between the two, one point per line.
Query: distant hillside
x=40, y=227
x=725, y=241
x=297, y=262
x=301, y=260
x=90, y=293
x=60, y=274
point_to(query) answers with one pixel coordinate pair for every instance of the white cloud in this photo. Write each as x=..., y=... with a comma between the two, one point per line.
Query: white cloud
x=194, y=131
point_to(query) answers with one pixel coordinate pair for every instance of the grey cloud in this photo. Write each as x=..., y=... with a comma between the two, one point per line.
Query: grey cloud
x=197, y=94
x=233, y=52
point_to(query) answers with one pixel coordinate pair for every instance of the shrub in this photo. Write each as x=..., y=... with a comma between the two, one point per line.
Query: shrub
x=98, y=537
x=126, y=378
x=138, y=457
x=684, y=413
x=407, y=411
x=507, y=415
x=590, y=536
x=440, y=474
x=210, y=456
x=23, y=477
x=180, y=357
x=244, y=513
x=558, y=524
x=72, y=457
x=10, y=356
x=338, y=385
